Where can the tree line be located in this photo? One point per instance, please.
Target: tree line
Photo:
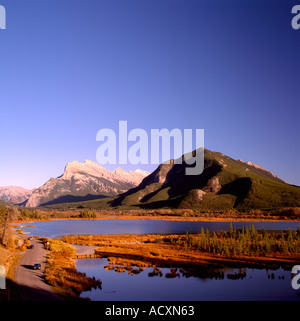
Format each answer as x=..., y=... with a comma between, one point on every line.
x=245, y=242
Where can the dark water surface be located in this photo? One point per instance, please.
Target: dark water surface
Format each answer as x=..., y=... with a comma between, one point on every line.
x=262, y=285
x=84, y=227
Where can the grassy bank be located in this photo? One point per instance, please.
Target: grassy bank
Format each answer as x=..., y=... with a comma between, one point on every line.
x=282, y=214
x=199, y=251
x=61, y=270
x=242, y=243
x=10, y=256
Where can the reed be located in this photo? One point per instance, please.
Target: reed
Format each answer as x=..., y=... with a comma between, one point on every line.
x=245, y=242
x=61, y=270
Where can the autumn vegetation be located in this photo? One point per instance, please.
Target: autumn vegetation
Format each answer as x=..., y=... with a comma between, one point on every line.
x=245, y=247
x=198, y=252
x=245, y=242
x=61, y=270
x=48, y=213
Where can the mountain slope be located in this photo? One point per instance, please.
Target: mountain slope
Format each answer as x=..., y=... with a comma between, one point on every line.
x=84, y=182
x=224, y=184
x=14, y=194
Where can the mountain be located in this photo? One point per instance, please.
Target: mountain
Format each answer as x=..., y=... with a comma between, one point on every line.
x=14, y=194
x=84, y=181
x=225, y=183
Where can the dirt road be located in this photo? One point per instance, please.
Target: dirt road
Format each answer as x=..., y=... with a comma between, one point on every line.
x=31, y=282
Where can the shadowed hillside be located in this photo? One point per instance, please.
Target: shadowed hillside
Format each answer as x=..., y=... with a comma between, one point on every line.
x=225, y=183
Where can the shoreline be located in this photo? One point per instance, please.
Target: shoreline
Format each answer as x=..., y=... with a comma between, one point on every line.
x=144, y=250
x=126, y=251
x=160, y=218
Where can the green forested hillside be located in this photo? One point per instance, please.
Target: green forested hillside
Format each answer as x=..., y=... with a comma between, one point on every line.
x=224, y=184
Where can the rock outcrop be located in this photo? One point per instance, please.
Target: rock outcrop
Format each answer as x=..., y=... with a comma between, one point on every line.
x=84, y=181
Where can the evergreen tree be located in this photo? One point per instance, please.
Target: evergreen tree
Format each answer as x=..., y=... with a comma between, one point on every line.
x=230, y=229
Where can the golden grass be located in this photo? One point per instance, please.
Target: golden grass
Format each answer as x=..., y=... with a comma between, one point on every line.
x=284, y=214
x=146, y=250
x=10, y=256
x=61, y=271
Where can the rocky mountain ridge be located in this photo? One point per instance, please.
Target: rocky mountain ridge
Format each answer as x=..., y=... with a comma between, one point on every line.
x=14, y=194
x=224, y=184
x=82, y=181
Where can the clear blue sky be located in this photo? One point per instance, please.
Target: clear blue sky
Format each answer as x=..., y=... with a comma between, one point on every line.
x=71, y=67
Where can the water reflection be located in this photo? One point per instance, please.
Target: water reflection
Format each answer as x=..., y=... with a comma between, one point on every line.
x=178, y=284
x=109, y=227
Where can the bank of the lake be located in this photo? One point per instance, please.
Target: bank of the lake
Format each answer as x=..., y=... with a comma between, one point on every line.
x=160, y=218
x=196, y=252
x=39, y=214
x=156, y=269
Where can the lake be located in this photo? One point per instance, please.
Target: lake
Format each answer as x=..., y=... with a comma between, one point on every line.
x=256, y=285
x=262, y=285
x=85, y=227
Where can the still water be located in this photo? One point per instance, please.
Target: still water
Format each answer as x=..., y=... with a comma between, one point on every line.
x=84, y=227
x=255, y=285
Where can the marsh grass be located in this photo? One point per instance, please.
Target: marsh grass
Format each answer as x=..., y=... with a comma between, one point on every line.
x=61, y=270
x=245, y=242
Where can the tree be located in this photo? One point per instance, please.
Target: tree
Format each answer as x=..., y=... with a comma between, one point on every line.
x=230, y=229
x=4, y=217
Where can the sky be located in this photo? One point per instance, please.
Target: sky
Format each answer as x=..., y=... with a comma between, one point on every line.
x=69, y=68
